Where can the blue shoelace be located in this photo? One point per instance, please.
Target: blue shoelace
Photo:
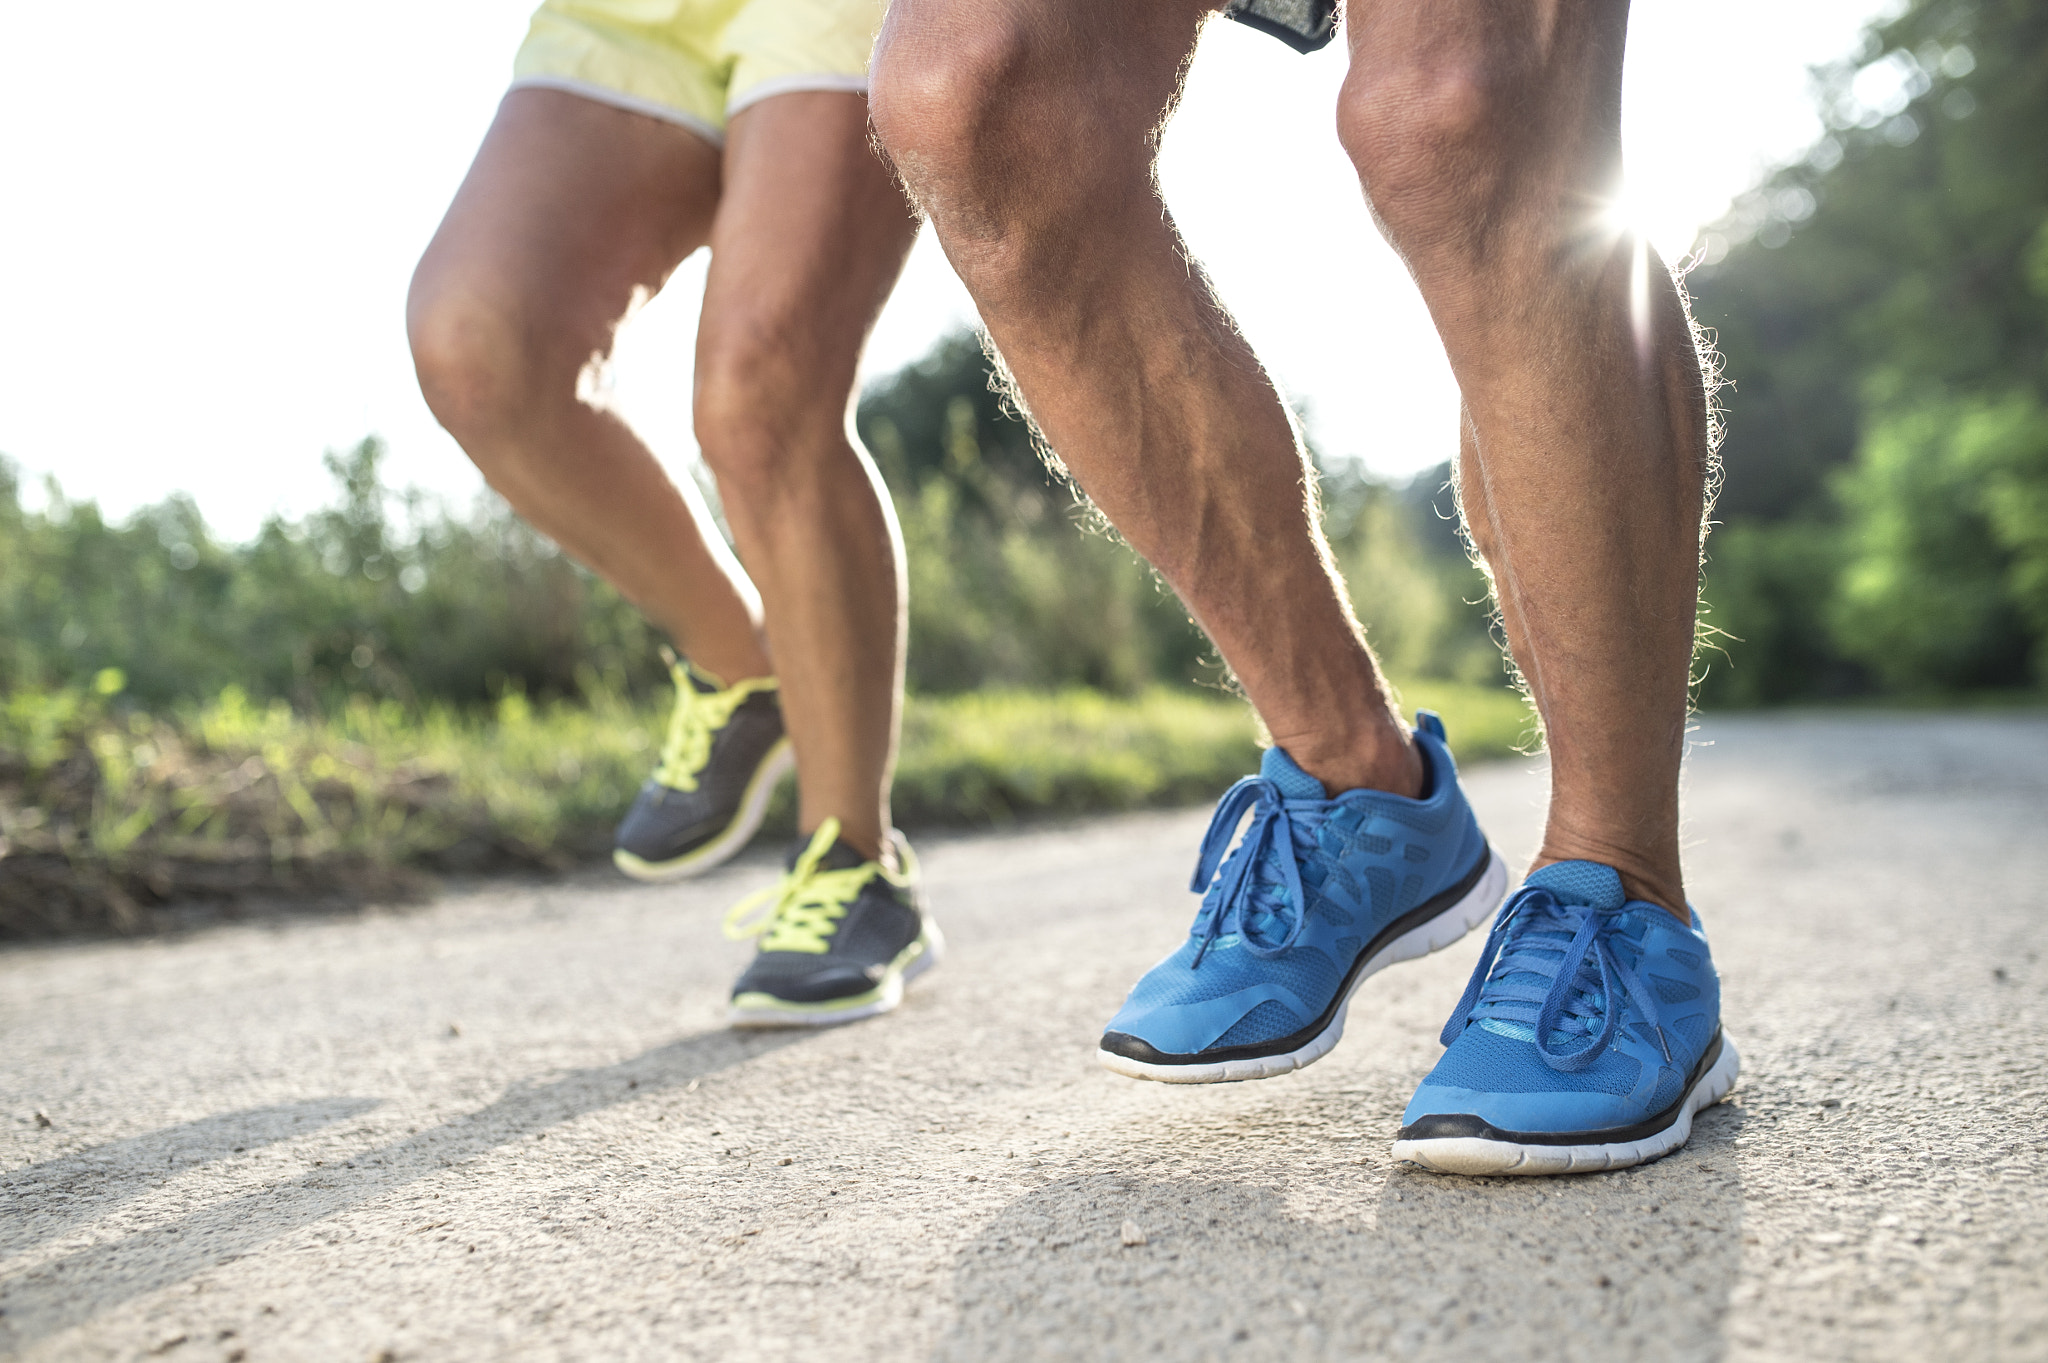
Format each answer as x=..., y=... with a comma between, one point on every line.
x=1538, y=941
x=1248, y=892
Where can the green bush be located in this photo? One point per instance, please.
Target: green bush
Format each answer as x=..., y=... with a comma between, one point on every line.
x=1424, y=603
x=1769, y=591
x=1947, y=544
x=1883, y=313
x=991, y=756
x=1011, y=584
x=387, y=687
x=109, y=812
x=397, y=596
x=383, y=595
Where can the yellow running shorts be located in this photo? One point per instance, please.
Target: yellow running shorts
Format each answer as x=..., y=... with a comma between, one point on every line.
x=697, y=62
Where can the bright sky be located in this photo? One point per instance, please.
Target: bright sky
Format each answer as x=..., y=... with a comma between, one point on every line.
x=204, y=247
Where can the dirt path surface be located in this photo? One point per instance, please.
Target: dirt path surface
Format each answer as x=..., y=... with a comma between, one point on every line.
x=511, y=1125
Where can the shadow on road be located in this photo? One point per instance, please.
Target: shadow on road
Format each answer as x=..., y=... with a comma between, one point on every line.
x=1405, y=1264
x=93, y=1182
x=73, y=1289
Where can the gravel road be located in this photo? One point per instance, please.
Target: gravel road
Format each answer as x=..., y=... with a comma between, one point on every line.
x=510, y=1124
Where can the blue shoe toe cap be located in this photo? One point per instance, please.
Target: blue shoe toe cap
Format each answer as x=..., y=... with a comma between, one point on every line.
x=1191, y=1028
x=1551, y=1113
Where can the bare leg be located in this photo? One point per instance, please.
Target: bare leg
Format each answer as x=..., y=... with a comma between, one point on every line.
x=1487, y=136
x=807, y=244
x=574, y=212
x=1027, y=128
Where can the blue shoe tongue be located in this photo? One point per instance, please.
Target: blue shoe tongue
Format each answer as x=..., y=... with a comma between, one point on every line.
x=1276, y=766
x=1541, y=951
x=1580, y=882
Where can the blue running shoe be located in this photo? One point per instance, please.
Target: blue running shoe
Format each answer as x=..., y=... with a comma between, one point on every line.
x=1318, y=894
x=1589, y=1036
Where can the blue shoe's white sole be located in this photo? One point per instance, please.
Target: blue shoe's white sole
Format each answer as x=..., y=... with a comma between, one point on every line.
x=1481, y=1156
x=1437, y=933
x=753, y=810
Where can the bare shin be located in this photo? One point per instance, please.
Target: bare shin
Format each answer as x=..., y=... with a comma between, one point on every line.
x=1028, y=130
x=1487, y=137
x=809, y=241
x=572, y=214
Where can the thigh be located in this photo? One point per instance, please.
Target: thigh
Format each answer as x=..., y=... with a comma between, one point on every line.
x=810, y=236
x=571, y=211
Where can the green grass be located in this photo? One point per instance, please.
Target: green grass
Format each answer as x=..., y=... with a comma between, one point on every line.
x=990, y=757
x=108, y=812
x=1484, y=723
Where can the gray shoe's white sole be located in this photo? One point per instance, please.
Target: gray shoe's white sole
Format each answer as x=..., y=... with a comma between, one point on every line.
x=763, y=1011
x=780, y=762
x=1434, y=935
x=1478, y=1155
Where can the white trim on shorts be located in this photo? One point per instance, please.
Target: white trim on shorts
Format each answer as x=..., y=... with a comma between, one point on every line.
x=790, y=85
x=619, y=99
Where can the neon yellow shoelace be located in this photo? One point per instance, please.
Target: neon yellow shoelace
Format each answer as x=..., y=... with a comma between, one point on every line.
x=695, y=721
x=801, y=912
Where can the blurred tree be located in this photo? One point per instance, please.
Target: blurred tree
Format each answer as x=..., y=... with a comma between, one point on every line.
x=1424, y=604
x=1888, y=282
x=1925, y=597
x=1011, y=581
x=1015, y=581
x=398, y=597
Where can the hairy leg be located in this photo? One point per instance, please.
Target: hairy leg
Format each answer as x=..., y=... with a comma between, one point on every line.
x=573, y=213
x=1028, y=130
x=808, y=242
x=1487, y=136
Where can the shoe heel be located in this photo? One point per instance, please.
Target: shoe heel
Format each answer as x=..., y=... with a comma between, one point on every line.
x=934, y=952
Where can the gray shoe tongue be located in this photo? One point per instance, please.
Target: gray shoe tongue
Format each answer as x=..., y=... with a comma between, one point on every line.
x=838, y=857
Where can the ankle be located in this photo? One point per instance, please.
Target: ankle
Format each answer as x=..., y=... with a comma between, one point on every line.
x=731, y=674
x=726, y=661
x=1640, y=877
x=1383, y=757
x=863, y=837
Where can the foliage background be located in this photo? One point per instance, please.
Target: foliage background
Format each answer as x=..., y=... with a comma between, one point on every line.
x=398, y=597
x=394, y=685
x=1884, y=318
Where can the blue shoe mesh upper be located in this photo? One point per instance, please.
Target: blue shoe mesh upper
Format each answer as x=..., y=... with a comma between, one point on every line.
x=1669, y=1086
x=1307, y=971
x=1485, y=1060
x=1674, y=991
x=1690, y=1032
x=1565, y=1027
x=1269, y=1020
x=1580, y=882
x=1291, y=903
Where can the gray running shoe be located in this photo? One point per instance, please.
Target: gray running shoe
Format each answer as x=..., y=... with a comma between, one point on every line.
x=724, y=756
x=840, y=937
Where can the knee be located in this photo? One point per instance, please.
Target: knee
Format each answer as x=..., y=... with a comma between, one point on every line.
x=475, y=368
x=761, y=412
x=1012, y=139
x=1434, y=136
x=936, y=101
